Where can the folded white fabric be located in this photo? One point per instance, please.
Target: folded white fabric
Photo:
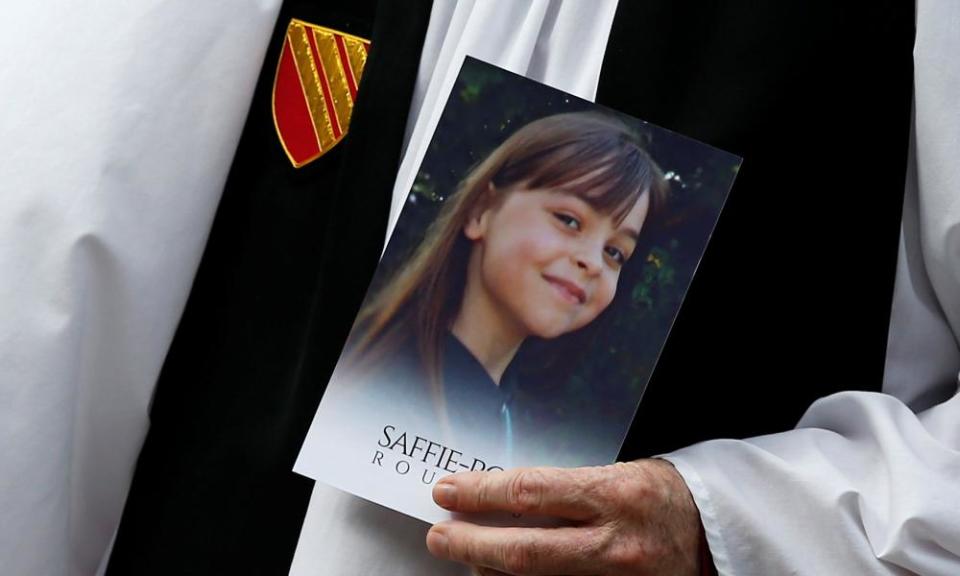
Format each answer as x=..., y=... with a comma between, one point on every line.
x=120, y=123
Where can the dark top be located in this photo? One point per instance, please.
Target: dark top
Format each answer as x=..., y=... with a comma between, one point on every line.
x=474, y=401
x=476, y=407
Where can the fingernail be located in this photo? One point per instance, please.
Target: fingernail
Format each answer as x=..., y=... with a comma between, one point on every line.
x=437, y=544
x=445, y=495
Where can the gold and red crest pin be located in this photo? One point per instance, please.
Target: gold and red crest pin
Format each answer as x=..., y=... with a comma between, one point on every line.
x=315, y=88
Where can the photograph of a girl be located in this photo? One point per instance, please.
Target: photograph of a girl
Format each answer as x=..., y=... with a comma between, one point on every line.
x=493, y=330
x=531, y=246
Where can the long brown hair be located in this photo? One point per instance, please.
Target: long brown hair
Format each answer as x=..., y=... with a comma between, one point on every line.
x=593, y=156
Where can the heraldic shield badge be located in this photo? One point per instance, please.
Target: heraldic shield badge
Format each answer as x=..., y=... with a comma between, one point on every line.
x=314, y=89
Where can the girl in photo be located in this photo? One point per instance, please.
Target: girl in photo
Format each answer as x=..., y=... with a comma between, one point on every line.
x=531, y=246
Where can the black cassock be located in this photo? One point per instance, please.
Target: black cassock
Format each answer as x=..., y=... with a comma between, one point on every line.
x=791, y=301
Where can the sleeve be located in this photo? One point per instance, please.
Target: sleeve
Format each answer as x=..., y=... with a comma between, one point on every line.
x=867, y=482
x=119, y=128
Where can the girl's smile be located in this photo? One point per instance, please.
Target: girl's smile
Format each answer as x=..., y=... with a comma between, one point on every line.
x=567, y=290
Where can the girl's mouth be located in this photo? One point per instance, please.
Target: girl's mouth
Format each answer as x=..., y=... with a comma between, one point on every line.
x=567, y=290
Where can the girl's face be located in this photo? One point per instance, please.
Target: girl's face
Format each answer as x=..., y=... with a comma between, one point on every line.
x=546, y=262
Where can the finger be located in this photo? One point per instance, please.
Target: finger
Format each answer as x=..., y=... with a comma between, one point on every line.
x=481, y=571
x=519, y=551
x=562, y=492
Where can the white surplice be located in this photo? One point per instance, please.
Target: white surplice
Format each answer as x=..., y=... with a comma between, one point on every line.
x=119, y=126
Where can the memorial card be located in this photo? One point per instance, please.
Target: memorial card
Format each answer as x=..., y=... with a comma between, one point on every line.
x=524, y=296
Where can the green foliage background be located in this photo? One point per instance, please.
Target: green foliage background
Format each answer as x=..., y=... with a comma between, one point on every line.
x=580, y=390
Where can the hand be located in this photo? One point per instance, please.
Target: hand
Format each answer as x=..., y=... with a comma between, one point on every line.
x=631, y=518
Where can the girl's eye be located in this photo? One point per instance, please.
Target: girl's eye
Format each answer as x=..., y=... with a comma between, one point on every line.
x=569, y=221
x=616, y=255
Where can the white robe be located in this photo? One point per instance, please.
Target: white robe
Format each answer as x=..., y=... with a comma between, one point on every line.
x=119, y=124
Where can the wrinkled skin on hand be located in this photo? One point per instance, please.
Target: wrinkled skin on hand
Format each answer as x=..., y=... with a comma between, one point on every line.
x=629, y=518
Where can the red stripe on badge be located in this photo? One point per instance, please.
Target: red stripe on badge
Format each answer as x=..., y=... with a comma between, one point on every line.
x=291, y=112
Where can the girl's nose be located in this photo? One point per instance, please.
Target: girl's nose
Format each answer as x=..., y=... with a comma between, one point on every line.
x=590, y=262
